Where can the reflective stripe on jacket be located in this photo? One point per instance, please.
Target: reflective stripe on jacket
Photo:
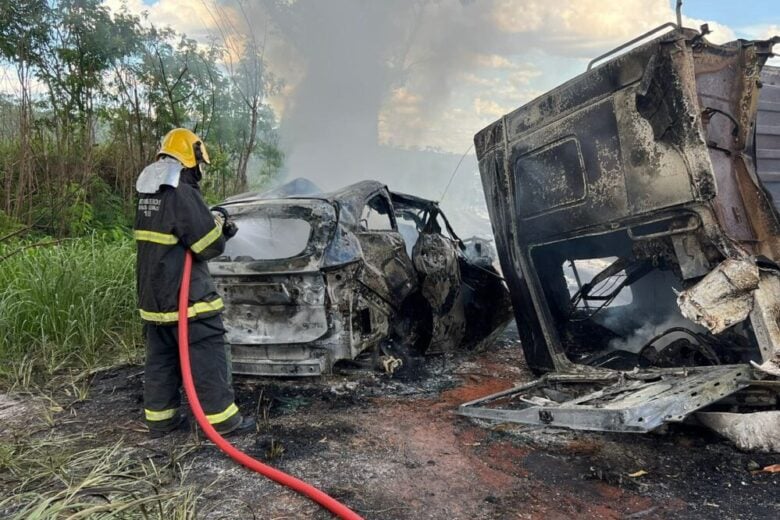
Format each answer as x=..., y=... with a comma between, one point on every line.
x=168, y=223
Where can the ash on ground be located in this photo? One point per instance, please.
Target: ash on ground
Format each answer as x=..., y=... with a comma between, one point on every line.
x=395, y=449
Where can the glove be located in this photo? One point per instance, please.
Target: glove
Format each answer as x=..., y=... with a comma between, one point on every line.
x=219, y=219
x=222, y=218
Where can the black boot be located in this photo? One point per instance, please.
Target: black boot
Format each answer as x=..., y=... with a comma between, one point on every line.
x=236, y=425
x=180, y=424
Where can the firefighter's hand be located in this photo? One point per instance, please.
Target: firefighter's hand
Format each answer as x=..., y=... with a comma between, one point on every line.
x=219, y=219
x=222, y=218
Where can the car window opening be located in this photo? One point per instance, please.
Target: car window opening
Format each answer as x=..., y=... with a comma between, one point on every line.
x=376, y=215
x=262, y=237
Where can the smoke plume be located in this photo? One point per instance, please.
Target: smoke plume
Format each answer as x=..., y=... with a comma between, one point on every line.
x=395, y=90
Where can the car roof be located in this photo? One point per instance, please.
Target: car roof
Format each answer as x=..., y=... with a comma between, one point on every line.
x=352, y=195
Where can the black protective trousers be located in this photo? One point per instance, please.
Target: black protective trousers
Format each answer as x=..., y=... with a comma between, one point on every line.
x=210, y=370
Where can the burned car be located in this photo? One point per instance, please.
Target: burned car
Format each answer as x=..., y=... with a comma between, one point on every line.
x=640, y=247
x=314, y=278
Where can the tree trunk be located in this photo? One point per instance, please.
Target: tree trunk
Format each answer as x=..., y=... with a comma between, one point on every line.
x=246, y=154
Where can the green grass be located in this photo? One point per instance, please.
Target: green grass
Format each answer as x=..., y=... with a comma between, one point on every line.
x=66, y=307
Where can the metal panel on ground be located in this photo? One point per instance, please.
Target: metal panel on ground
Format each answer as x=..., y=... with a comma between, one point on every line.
x=632, y=403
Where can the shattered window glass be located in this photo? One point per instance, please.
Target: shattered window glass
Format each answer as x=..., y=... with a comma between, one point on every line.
x=376, y=215
x=268, y=238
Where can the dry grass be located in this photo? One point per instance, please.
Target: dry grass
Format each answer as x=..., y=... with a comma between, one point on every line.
x=75, y=478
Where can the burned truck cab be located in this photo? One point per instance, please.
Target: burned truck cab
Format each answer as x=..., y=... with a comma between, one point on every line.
x=634, y=233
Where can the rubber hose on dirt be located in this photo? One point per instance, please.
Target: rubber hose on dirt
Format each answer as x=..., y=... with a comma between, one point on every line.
x=321, y=498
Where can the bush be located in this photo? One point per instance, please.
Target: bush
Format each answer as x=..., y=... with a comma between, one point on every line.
x=70, y=305
x=8, y=225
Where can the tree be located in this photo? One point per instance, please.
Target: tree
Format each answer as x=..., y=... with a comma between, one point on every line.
x=24, y=31
x=97, y=90
x=244, y=59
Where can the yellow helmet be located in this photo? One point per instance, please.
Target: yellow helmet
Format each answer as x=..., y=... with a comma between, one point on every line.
x=184, y=145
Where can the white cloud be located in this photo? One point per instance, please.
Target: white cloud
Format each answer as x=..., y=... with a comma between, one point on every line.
x=480, y=80
x=503, y=66
x=720, y=33
x=763, y=32
x=524, y=76
x=494, y=61
x=489, y=107
x=195, y=18
x=577, y=25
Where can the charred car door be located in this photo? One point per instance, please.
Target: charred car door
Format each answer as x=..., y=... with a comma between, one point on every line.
x=436, y=259
x=388, y=270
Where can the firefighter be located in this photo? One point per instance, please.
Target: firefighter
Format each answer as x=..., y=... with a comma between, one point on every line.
x=171, y=219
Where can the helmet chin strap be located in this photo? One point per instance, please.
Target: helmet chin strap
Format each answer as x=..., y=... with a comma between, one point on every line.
x=198, y=169
x=196, y=148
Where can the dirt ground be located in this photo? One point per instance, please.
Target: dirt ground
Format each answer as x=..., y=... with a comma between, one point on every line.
x=395, y=449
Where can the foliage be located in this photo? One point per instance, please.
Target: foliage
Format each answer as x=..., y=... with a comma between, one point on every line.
x=8, y=225
x=66, y=305
x=96, y=92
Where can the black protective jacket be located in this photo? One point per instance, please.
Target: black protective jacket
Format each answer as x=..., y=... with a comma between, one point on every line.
x=168, y=223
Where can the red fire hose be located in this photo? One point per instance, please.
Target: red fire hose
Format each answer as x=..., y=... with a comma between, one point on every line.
x=329, y=503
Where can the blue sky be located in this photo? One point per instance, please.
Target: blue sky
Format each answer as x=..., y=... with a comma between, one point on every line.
x=735, y=13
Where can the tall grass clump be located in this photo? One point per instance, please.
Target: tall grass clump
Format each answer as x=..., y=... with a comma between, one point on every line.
x=67, y=305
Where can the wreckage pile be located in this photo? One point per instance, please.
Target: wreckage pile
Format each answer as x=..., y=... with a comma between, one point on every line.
x=640, y=246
